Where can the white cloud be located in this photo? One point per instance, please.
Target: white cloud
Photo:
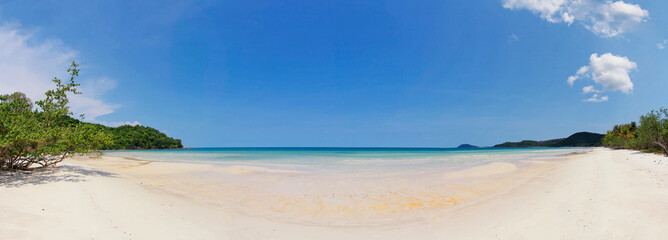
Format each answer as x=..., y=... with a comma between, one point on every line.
x=589, y=89
x=583, y=70
x=596, y=98
x=662, y=45
x=604, y=18
x=609, y=71
x=612, y=72
x=568, y=18
x=547, y=9
x=28, y=65
x=513, y=38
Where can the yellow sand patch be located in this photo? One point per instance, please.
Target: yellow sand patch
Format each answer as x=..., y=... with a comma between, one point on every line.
x=243, y=169
x=487, y=170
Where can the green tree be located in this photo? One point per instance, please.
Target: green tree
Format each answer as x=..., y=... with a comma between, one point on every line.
x=21, y=100
x=622, y=136
x=40, y=138
x=653, y=129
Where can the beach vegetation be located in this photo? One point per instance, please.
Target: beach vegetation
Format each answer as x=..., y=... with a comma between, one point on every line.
x=622, y=136
x=36, y=138
x=127, y=137
x=44, y=133
x=650, y=135
x=653, y=130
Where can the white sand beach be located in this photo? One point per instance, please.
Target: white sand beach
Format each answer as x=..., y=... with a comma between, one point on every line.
x=603, y=194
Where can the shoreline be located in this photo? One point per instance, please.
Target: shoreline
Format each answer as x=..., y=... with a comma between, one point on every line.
x=350, y=200
x=588, y=195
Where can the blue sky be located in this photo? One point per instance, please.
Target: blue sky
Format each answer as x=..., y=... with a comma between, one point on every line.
x=370, y=73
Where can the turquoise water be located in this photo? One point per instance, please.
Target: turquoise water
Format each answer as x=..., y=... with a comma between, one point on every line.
x=347, y=159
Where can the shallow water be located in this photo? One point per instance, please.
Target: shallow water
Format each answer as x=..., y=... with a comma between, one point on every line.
x=346, y=159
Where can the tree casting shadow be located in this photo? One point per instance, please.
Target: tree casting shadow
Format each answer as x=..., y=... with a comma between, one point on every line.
x=48, y=175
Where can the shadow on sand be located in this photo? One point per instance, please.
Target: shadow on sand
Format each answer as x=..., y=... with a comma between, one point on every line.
x=48, y=175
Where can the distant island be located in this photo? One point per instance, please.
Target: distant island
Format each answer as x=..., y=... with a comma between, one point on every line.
x=580, y=139
x=465, y=146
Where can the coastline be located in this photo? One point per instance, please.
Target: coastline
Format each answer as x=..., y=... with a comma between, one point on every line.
x=602, y=194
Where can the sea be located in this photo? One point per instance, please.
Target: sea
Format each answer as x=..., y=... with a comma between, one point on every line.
x=349, y=159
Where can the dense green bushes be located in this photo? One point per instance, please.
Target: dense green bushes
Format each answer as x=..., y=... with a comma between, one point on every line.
x=141, y=137
x=651, y=135
x=132, y=137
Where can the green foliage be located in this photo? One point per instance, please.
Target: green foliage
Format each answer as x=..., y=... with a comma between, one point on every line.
x=23, y=103
x=653, y=130
x=130, y=137
x=35, y=137
x=651, y=135
x=141, y=137
x=622, y=136
x=47, y=135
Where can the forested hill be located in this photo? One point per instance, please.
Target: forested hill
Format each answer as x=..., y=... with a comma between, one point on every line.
x=581, y=139
x=131, y=137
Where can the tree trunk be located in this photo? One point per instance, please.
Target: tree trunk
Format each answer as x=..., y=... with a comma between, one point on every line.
x=665, y=149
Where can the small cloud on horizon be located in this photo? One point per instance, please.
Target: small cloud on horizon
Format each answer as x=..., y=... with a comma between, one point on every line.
x=118, y=124
x=596, y=98
x=603, y=18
